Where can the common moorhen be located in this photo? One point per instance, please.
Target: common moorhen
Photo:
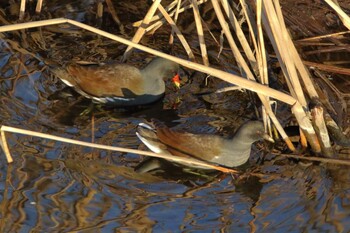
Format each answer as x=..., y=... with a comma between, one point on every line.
x=211, y=148
x=119, y=84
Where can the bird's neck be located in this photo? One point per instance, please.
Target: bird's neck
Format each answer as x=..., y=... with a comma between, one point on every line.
x=152, y=83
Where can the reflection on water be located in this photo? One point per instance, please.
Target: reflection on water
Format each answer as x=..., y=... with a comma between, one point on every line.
x=57, y=187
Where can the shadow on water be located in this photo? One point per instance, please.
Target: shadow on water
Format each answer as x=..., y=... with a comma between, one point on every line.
x=53, y=186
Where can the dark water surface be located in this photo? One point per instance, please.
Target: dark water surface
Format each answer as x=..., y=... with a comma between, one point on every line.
x=57, y=187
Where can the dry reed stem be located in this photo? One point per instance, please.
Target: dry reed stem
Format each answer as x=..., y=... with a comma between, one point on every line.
x=342, y=15
x=158, y=17
x=304, y=74
x=235, y=51
x=141, y=30
x=151, y=29
x=161, y=20
x=38, y=7
x=114, y=14
x=178, y=32
x=99, y=13
x=260, y=50
x=228, y=77
x=5, y=147
x=225, y=89
x=303, y=140
x=277, y=124
x=240, y=34
x=176, y=16
x=262, y=69
x=188, y=161
x=251, y=23
x=154, y=27
x=274, y=17
x=324, y=36
x=22, y=9
x=328, y=68
x=197, y=18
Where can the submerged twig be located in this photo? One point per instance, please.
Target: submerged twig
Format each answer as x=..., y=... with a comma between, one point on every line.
x=317, y=159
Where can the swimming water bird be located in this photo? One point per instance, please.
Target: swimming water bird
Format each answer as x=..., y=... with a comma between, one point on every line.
x=211, y=148
x=120, y=84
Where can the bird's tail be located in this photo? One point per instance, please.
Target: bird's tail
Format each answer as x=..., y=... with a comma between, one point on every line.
x=147, y=134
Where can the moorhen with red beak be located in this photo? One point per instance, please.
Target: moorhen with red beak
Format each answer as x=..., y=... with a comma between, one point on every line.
x=211, y=148
x=120, y=84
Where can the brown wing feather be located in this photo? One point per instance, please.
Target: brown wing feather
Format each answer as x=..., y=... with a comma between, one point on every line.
x=107, y=80
x=187, y=144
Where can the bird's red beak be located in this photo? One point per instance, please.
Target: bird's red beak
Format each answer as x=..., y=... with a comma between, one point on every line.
x=176, y=81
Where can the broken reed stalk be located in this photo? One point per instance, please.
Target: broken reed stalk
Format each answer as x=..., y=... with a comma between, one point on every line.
x=188, y=161
x=99, y=12
x=198, y=20
x=38, y=7
x=141, y=30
